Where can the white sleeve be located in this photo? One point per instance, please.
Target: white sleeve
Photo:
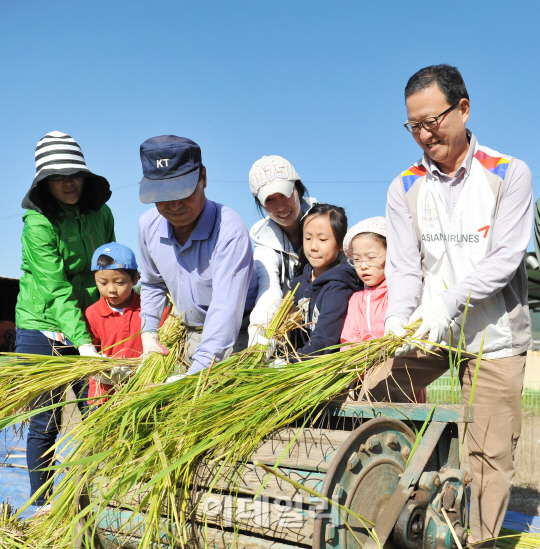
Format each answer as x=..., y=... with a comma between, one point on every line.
x=403, y=262
x=269, y=293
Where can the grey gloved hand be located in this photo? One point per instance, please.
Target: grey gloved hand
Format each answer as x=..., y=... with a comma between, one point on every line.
x=278, y=363
x=87, y=349
x=114, y=376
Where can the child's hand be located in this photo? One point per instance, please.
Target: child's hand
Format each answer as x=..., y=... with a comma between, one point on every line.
x=87, y=349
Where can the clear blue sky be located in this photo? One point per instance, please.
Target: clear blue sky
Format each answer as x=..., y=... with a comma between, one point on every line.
x=320, y=83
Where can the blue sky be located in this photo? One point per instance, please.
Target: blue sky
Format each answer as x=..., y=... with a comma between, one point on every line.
x=320, y=83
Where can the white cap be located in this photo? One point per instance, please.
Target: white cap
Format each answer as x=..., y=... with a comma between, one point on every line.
x=375, y=225
x=270, y=175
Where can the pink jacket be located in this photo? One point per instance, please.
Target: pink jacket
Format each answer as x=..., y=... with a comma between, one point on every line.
x=365, y=319
x=365, y=315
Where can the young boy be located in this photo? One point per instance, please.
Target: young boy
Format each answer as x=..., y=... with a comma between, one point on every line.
x=115, y=317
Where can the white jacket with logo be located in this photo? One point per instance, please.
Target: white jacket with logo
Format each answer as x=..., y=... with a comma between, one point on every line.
x=472, y=249
x=275, y=260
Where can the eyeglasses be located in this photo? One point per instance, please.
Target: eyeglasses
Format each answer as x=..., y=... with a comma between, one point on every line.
x=429, y=123
x=373, y=261
x=59, y=178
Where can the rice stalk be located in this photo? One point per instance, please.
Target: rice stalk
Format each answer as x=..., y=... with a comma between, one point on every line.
x=12, y=535
x=219, y=416
x=24, y=377
x=144, y=445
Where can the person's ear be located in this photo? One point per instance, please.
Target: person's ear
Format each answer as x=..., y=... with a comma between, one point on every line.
x=203, y=176
x=136, y=278
x=465, y=109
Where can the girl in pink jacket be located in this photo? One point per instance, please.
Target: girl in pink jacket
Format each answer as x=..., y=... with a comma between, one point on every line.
x=365, y=248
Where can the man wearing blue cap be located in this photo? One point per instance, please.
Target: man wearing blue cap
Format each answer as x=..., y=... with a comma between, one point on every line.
x=196, y=250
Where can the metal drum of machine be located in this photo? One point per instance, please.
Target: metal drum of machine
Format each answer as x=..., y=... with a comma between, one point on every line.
x=361, y=456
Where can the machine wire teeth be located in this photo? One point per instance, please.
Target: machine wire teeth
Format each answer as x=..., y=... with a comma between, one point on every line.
x=358, y=455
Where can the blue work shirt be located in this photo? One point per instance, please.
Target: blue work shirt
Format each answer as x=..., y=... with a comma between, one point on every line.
x=211, y=278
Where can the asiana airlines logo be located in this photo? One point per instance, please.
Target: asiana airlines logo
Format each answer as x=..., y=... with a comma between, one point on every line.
x=455, y=238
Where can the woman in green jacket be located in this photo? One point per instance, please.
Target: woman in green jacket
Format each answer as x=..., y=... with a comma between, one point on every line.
x=65, y=221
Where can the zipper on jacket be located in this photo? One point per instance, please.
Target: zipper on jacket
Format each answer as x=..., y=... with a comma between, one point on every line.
x=368, y=315
x=92, y=237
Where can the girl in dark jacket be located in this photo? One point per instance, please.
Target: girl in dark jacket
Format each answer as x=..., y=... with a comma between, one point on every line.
x=65, y=221
x=326, y=282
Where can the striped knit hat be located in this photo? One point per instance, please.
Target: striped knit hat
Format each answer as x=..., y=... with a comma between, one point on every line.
x=57, y=153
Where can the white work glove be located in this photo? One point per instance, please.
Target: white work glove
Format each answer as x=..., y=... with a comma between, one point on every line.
x=150, y=343
x=114, y=376
x=256, y=338
x=87, y=349
x=435, y=322
x=278, y=363
x=175, y=377
x=253, y=332
x=395, y=325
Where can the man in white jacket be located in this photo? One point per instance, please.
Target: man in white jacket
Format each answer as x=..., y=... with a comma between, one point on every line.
x=459, y=222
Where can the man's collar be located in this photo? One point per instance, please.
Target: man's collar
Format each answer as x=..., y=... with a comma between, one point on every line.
x=202, y=230
x=432, y=167
x=206, y=221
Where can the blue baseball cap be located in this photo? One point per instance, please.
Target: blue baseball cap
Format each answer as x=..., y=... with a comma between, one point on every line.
x=123, y=257
x=171, y=167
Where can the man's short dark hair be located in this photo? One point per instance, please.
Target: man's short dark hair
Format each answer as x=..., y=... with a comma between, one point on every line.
x=448, y=79
x=106, y=260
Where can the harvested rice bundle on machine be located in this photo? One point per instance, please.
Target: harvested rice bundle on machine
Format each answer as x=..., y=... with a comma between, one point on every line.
x=144, y=448
x=23, y=377
x=144, y=445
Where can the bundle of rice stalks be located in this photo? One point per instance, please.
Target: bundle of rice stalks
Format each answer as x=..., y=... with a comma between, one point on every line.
x=23, y=377
x=144, y=445
x=11, y=534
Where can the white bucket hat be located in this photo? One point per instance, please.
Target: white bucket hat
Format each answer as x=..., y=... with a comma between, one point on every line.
x=375, y=225
x=272, y=174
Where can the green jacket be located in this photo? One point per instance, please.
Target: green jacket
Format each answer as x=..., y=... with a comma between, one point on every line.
x=57, y=284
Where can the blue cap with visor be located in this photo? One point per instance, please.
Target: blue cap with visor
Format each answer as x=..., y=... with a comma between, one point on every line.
x=122, y=256
x=171, y=168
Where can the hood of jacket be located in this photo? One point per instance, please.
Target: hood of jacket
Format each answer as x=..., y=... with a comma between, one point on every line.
x=39, y=199
x=267, y=232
